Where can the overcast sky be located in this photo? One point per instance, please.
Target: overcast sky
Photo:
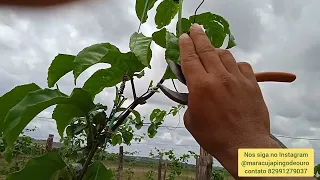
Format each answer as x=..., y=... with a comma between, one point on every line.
x=272, y=35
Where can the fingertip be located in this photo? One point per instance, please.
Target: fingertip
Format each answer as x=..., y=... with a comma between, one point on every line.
x=183, y=37
x=196, y=27
x=185, y=41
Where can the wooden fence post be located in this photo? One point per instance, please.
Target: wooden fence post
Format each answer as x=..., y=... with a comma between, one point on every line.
x=165, y=171
x=197, y=166
x=204, y=165
x=159, y=168
x=49, y=142
x=120, y=168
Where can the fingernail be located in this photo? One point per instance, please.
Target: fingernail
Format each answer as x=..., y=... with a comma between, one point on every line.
x=196, y=26
x=184, y=36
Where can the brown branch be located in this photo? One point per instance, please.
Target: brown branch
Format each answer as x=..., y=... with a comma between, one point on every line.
x=133, y=89
x=87, y=163
x=134, y=104
x=138, y=101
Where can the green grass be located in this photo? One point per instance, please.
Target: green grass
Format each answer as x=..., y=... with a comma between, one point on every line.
x=140, y=169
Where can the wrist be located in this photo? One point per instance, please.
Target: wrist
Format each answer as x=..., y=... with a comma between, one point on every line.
x=229, y=157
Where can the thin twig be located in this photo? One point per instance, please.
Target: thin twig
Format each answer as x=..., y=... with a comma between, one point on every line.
x=133, y=89
x=121, y=118
x=195, y=13
x=93, y=150
x=179, y=33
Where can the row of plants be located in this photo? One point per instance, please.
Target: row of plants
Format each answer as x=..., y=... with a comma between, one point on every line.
x=24, y=149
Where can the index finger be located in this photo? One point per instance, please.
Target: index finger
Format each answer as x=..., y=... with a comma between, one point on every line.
x=190, y=62
x=207, y=52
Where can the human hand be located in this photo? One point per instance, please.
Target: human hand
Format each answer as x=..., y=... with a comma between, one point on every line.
x=226, y=109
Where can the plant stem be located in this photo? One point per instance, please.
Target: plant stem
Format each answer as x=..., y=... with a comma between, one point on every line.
x=120, y=120
x=133, y=89
x=90, y=156
x=179, y=18
x=133, y=105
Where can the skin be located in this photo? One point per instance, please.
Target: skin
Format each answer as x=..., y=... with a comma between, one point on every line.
x=226, y=109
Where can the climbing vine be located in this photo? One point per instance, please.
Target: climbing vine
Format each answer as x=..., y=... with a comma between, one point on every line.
x=85, y=127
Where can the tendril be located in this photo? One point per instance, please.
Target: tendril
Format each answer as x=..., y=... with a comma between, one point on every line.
x=195, y=13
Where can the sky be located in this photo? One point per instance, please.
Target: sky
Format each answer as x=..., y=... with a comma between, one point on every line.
x=272, y=35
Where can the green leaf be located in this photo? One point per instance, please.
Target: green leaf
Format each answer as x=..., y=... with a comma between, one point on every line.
x=173, y=50
x=116, y=139
x=186, y=24
x=215, y=34
x=154, y=114
x=116, y=100
x=160, y=117
x=142, y=9
x=70, y=130
x=75, y=129
x=231, y=42
x=40, y=168
x=137, y=117
x=169, y=74
x=140, y=46
x=103, y=78
x=91, y=55
x=137, y=121
x=100, y=117
x=20, y=115
x=97, y=171
x=217, y=28
x=34, y=103
x=316, y=169
x=79, y=128
x=152, y=130
x=166, y=11
x=159, y=37
x=60, y=66
x=64, y=113
x=62, y=174
x=156, y=119
x=121, y=63
x=138, y=125
x=13, y=97
x=127, y=137
x=140, y=75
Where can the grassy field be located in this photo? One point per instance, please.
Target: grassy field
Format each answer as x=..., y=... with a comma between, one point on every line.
x=140, y=171
x=132, y=171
